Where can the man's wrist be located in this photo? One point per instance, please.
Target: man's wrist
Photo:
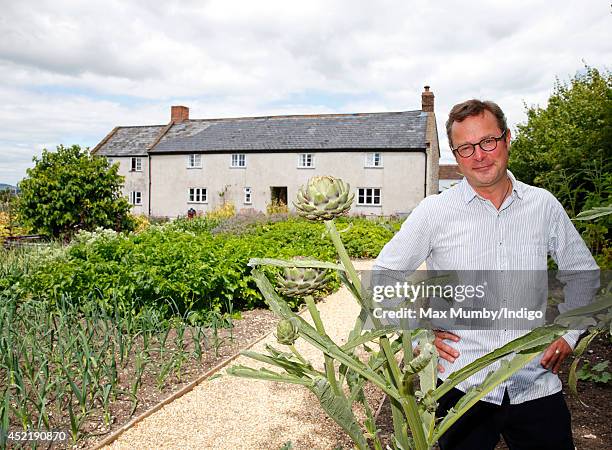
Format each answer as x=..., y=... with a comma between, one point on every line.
x=571, y=337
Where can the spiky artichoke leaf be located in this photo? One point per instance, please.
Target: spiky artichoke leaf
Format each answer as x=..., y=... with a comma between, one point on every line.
x=428, y=376
x=338, y=408
x=265, y=374
x=366, y=337
x=493, y=379
x=604, y=302
x=535, y=340
x=578, y=351
x=289, y=365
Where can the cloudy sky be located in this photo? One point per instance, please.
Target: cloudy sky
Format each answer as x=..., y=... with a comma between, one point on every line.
x=72, y=70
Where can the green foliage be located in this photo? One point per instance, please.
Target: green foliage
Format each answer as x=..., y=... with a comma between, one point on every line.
x=566, y=147
x=70, y=190
x=365, y=237
x=178, y=266
x=597, y=373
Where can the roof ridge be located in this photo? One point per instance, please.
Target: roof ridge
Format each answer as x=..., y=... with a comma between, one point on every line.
x=291, y=116
x=140, y=126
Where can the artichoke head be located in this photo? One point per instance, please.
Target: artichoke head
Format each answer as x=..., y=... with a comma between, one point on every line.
x=300, y=281
x=286, y=332
x=323, y=198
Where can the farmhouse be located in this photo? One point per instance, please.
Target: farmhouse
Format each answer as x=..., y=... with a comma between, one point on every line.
x=390, y=159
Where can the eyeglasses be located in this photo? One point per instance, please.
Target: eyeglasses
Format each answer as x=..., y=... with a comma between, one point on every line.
x=487, y=144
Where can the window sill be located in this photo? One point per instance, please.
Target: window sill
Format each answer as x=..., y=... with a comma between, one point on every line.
x=237, y=167
x=373, y=167
x=370, y=205
x=306, y=167
x=197, y=203
x=196, y=167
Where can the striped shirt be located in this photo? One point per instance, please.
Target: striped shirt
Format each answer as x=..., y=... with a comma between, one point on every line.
x=460, y=230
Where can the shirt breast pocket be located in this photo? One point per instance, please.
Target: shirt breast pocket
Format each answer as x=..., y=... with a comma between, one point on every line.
x=529, y=257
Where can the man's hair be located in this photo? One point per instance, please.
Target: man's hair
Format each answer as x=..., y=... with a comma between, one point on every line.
x=474, y=107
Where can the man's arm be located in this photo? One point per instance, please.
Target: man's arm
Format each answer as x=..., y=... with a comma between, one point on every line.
x=579, y=273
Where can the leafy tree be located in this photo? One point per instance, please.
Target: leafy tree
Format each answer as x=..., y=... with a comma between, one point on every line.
x=566, y=148
x=70, y=190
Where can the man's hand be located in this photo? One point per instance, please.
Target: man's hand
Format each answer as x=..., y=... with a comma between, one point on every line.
x=445, y=351
x=555, y=354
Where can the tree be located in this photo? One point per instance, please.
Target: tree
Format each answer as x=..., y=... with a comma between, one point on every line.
x=566, y=147
x=70, y=190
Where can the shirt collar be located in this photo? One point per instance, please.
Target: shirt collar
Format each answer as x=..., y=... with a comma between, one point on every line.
x=469, y=193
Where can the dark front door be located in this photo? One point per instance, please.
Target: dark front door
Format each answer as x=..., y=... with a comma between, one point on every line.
x=279, y=194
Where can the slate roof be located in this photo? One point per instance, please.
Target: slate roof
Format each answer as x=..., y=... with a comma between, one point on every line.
x=396, y=130
x=129, y=141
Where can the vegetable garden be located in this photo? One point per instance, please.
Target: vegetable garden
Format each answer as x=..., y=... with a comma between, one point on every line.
x=99, y=330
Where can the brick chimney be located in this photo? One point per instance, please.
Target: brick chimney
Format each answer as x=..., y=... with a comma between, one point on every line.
x=427, y=100
x=179, y=114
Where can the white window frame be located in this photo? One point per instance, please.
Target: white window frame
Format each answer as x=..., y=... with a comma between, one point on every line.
x=370, y=160
x=238, y=160
x=248, y=196
x=197, y=195
x=366, y=196
x=110, y=161
x=194, y=161
x=135, y=198
x=306, y=161
x=135, y=164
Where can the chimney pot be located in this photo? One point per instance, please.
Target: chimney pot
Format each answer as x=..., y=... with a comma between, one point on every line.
x=179, y=114
x=427, y=100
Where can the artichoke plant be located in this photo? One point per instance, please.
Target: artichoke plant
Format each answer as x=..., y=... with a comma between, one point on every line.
x=300, y=281
x=341, y=385
x=324, y=198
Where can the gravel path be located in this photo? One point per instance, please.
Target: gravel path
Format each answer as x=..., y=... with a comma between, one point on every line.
x=237, y=413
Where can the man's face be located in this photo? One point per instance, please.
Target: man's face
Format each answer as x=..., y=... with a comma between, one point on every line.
x=482, y=169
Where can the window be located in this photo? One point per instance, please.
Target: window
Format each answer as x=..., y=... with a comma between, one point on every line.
x=136, y=198
x=305, y=160
x=136, y=165
x=374, y=160
x=110, y=161
x=238, y=160
x=194, y=161
x=248, y=198
x=368, y=196
x=197, y=195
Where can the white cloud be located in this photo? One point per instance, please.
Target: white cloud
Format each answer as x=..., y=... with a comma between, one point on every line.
x=72, y=70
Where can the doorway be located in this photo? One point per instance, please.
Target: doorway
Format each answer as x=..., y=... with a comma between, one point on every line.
x=278, y=195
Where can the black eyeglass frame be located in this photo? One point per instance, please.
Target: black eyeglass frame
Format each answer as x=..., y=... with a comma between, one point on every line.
x=496, y=139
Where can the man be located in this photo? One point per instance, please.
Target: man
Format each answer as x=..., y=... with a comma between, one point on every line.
x=491, y=221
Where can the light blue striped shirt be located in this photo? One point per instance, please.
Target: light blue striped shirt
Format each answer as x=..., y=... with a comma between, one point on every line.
x=460, y=230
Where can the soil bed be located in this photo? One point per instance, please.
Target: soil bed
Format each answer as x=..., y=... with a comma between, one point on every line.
x=253, y=325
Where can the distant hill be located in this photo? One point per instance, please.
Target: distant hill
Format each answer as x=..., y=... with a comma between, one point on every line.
x=4, y=186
